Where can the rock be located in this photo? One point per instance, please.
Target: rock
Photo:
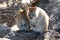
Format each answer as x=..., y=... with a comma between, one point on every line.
x=57, y=27
x=5, y=39
x=54, y=1
x=24, y=35
x=3, y=30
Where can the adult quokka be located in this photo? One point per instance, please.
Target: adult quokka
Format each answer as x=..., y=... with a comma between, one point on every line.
x=22, y=20
x=39, y=20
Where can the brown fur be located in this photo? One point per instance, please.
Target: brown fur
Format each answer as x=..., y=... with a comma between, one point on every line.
x=30, y=9
x=20, y=17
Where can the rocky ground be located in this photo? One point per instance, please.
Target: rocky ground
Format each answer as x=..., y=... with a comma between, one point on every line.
x=8, y=12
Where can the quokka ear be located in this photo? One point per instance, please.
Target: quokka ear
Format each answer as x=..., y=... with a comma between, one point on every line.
x=18, y=1
x=34, y=8
x=31, y=8
x=28, y=8
x=20, y=11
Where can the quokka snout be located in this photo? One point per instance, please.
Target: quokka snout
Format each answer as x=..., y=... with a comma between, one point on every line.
x=39, y=20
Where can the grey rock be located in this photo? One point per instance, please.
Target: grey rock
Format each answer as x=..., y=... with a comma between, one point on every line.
x=24, y=35
x=3, y=30
x=54, y=1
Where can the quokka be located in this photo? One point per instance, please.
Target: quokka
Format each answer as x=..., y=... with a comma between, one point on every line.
x=39, y=20
x=22, y=21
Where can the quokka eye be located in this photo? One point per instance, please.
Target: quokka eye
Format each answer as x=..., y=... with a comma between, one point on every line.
x=23, y=25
